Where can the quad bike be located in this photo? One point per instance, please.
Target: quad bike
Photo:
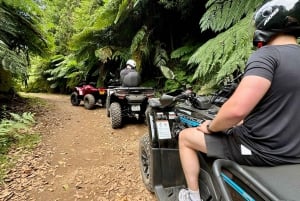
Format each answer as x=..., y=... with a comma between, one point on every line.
x=219, y=180
x=89, y=94
x=127, y=102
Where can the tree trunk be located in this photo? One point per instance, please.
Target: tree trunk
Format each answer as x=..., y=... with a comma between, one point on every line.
x=6, y=85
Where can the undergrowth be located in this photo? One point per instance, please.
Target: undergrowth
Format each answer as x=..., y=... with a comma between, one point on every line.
x=15, y=133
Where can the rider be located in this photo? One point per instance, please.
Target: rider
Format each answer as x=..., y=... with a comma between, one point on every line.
x=259, y=124
x=129, y=77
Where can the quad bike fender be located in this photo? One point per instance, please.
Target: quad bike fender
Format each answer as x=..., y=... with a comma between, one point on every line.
x=79, y=90
x=168, y=176
x=167, y=166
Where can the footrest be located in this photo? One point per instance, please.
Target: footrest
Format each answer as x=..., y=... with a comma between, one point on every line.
x=167, y=194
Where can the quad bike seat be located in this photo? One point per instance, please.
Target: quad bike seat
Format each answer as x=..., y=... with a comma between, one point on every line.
x=132, y=79
x=283, y=181
x=271, y=183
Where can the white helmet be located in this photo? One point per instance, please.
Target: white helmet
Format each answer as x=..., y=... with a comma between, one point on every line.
x=131, y=63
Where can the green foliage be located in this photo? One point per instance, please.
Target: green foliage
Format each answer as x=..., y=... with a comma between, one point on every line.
x=161, y=56
x=12, y=61
x=15, y=132
x=221, y=14
x=123, y=10
x=14, y=129
x=21, y=34
x=184, y=53
x=64, y=72
x=95, y=37
x=140, y=48
x=224, y=54
x=20, y=29
x=180, y=5
x=182, y=78
x=104, y=53
x=88, y=42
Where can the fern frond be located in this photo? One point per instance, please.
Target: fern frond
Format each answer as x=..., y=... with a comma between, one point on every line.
x=183, y=52
x=104, y=54
x=27, y=118
x=123, y=10
x=161, y=56
x=138, y=39
x=221, y=14
x=140, y=47
x=223, y=54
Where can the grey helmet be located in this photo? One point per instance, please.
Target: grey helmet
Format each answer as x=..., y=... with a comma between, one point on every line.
x=274, y=17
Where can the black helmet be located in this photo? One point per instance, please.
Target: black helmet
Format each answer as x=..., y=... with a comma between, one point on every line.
x=276, y=16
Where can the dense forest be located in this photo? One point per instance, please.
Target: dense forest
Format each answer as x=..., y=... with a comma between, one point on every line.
x=52, y=45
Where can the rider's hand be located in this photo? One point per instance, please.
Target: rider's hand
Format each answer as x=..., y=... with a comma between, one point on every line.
x=203, y=127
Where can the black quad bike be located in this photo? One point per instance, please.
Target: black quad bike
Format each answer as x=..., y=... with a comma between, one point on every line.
x=219, y=180
x=89, y=94
x=127, y=102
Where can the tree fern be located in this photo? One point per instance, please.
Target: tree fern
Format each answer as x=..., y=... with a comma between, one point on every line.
x=20, y=35
x=221, y=14
x=12, y=61
x=20, y=29
x=184, y=53
x=140, y=48
x=224, y=54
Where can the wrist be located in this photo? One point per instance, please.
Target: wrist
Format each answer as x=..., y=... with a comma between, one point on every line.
x=209, y=130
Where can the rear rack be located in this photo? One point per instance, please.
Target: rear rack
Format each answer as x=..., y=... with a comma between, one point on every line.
x=147, y=91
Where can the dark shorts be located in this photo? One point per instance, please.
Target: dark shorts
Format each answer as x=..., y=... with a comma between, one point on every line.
x=229, y=146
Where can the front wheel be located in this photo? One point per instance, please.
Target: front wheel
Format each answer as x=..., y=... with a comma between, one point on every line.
x=146, y=162
x=115, y=115
x=75, y=101
x=89, y=101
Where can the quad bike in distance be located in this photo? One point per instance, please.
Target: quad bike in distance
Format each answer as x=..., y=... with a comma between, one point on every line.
x=127, y=102
x=219, y=179
x=89, y=94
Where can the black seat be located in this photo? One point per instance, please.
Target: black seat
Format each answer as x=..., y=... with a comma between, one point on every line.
x=132, y=79
x=280, y=183
x=283, y=181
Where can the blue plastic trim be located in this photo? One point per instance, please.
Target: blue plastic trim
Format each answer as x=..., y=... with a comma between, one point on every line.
x=189, y=122
x=237, y=188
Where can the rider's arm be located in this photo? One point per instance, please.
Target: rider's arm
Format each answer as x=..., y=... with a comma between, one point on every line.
x=247, y=95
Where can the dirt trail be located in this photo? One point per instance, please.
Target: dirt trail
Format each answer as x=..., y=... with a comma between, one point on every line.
x=80, y=158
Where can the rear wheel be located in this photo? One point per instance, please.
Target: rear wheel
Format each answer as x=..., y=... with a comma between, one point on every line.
x=89, y=101
x=115, y=115
x=146, y=162
x=75, y=101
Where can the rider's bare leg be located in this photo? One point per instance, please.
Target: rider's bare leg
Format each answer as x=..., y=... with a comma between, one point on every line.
x=191, y=140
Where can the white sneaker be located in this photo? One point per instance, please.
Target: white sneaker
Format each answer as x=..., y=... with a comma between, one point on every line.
x=184, y=195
